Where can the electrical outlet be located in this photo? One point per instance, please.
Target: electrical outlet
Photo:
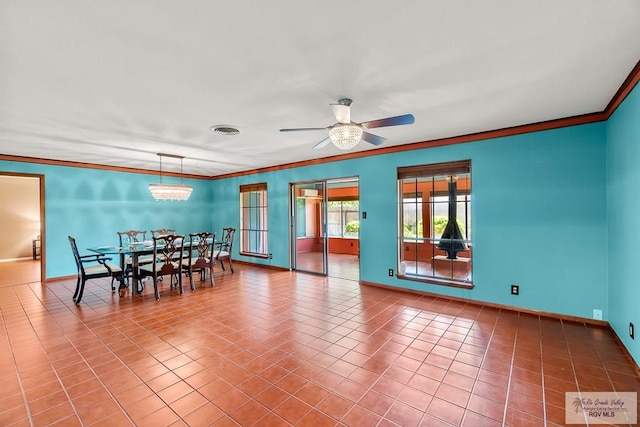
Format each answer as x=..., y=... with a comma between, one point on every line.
x=364, y=215
x=391, y=272
x=270, y=256
x=515, y=289
x=597, y=314
x=631, y=334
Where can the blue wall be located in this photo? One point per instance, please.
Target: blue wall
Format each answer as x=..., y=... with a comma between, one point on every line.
x=92, y=205
x=539, y=216
x=623, y=185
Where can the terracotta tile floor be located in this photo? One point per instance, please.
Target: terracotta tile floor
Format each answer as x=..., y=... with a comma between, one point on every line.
x=272, y=348
x=338, y=265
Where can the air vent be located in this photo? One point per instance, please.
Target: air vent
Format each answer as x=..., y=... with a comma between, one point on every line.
x=225, y=129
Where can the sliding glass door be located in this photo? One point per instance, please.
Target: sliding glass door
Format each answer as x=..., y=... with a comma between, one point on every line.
x=309, y=227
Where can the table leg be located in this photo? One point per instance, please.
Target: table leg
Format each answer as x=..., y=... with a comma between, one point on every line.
x=134, y=273
x=123, y=283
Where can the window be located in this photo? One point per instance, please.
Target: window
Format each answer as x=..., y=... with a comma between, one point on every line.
x=434, y=213
x=253, y=220
x=441, y=217
x=412, y=214
x=343, y=218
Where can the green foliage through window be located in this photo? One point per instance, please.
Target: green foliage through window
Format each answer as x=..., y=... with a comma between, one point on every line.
x=343, y=218
x=352, y=227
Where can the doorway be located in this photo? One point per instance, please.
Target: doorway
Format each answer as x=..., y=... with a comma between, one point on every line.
x=309, y=227
x=22, y=225
x=343, y=228
x=325, y=227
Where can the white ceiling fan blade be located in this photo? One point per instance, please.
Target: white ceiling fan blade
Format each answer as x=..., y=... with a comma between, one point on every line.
x=302, y=129
x=322, y=143
x=342, y=113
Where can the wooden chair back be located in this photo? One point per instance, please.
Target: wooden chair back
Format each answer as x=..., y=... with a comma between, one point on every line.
x=225, y=246
x=163, y=232
x=131, y=236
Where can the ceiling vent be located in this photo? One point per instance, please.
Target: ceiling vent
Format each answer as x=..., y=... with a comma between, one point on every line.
x=225, y=129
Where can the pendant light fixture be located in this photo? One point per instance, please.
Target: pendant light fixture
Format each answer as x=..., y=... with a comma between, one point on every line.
x=162, y=191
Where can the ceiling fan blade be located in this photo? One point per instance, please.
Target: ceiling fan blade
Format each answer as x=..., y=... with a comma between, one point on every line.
x=342, y=113
x=322, y=143
x=373, y=139
x=405, y=119
x=302, y=129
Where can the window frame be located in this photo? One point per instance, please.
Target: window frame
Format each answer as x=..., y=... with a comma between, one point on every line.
x=257, y=211
x=419, y=258
x=343, y=213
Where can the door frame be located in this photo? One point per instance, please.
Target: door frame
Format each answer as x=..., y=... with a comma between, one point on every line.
x=325, y=185
x=293, y=217
x=332, y=184
x=43, y=223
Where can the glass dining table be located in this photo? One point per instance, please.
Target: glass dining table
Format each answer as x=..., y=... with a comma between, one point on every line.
x=136, y=250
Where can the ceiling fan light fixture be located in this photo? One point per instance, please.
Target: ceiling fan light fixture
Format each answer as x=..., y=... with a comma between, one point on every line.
x=345, y=136
x=162, y=191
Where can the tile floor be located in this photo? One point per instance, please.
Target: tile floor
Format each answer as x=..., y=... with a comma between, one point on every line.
x=278, y=348
x=338, y=265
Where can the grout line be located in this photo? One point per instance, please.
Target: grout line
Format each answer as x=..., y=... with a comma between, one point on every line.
x=544, y=394
x=573, y=367
x=475, y=382
x=513, y=355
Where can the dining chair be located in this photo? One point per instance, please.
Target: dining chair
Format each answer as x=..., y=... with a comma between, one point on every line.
x=168, y=253
x=202, y=257
x=126, y=238
x=162, y=232
x=100, y=268
x=225, y=246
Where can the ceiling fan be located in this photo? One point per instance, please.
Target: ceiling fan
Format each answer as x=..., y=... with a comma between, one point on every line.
x=346, y=134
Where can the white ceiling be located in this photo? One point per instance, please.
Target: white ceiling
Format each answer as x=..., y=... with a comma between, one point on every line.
x=116, y=81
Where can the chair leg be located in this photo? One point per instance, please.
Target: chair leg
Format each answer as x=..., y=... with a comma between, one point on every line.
x=179, y=282
x=213, y=282
x=193, y=287
x=75, y=294
x=123, y=286
x=230, y=264
x=155, y=287
x=80, y=292
x=112, y=279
